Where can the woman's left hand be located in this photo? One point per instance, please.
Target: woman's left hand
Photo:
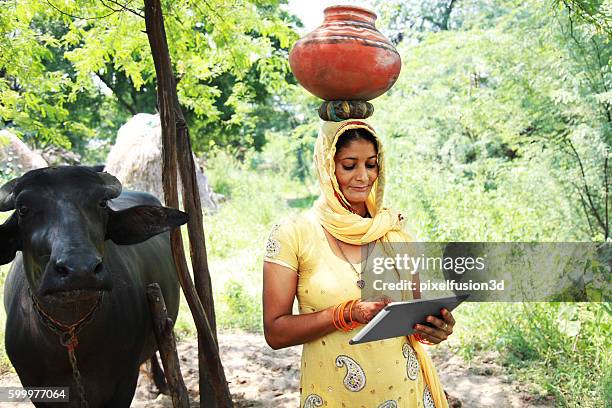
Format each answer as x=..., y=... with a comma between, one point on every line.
x=443, y=327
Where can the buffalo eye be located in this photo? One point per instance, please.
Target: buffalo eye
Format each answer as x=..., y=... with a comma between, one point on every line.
x=104, y=203
x=22, y=210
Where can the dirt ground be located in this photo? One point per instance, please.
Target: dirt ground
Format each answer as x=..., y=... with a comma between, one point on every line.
x=261, y=377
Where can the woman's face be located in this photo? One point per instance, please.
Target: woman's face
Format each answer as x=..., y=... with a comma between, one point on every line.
x=356, y=170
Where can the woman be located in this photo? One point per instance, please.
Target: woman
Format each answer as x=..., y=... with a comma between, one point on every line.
x=313, y=256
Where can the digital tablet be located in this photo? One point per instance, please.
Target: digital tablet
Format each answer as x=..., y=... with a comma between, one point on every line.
x=398, y=318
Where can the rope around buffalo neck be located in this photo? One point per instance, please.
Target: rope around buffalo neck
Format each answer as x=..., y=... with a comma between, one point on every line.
x=68, y=337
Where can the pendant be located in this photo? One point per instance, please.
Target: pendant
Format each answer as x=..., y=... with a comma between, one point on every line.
x=360, y=283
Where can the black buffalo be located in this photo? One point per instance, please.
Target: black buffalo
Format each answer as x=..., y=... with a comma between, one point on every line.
x=83, y=249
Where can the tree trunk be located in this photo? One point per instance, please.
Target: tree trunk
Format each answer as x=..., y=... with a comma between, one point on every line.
x=214, y=391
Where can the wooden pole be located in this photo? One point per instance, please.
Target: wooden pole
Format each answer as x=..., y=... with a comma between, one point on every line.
x=162, y=327
x=214, y=390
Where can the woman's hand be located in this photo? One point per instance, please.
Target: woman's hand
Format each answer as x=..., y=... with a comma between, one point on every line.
x=443, y=327
x=364, y=311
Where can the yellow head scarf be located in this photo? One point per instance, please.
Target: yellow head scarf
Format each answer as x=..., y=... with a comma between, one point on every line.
x=332, y=211
x=332, y=208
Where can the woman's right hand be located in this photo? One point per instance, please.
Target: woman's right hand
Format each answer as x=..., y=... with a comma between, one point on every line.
x=364, y=311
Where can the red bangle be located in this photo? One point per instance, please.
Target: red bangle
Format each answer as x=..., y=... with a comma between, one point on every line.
x=341, y=321
x=421, y=340
x=338, y=316
x=351, y=310
x=352, y=323
x=341, y=315
x=336, y=325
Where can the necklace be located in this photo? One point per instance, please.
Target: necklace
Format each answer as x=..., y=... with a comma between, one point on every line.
x=360, y=282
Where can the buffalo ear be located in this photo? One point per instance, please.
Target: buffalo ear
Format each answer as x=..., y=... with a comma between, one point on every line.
x=112, y=185
x=7, y=197
x=137, y=224
x=9, y=240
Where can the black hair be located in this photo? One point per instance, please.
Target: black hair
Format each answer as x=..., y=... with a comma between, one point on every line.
x=351, y=135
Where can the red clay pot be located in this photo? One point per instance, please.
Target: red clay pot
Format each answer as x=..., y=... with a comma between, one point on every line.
x=346, y=58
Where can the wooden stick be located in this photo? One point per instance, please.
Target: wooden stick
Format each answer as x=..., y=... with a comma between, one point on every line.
x=214, y=390
x=158, y=376
x=162, y=327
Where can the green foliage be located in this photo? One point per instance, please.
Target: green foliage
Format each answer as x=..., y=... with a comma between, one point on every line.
x=562, y=349
x=245, y=218
x=510, y=120
x=72, y=73
x=487, y=200
x=22, y=66
x=409, y=20
x=595, y=13
x=240, y=309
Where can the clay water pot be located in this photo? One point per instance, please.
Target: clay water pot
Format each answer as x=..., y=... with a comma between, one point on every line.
x=346, y=58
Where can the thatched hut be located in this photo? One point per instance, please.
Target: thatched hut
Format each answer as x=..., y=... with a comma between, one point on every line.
x=136, y=159
x=16, y=157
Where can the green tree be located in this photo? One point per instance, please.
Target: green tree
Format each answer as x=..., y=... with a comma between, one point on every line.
x=71, y=72
x=410, y=19
x=527, y=88
x=596, y=13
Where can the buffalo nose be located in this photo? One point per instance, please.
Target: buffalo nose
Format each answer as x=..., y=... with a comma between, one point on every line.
x=78, y=266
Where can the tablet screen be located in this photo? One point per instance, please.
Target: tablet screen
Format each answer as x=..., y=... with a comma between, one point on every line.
x=398, y=318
